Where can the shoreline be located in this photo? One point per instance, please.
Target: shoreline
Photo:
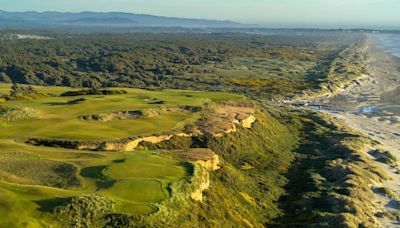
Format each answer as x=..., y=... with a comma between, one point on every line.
x=378, y=98
x=380, y=89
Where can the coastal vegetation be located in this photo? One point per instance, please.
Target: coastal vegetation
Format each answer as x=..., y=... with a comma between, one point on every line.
x=265, y=66
x=149, y=130
x=51, y=182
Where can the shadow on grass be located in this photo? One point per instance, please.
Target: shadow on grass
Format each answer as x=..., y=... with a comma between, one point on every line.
x=157, y=102
x=189, y=169
x=49, y=205
x=312, y=182
x=119, y=161
x=71, y=102
x=96, y=172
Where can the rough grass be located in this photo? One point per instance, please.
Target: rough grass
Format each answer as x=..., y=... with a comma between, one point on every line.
x=388, y=193
x=266, y=148
x=37, y=180
x=347, y=66
x=84, y=211
x=24, y=205
x=22, y=169
x=385, y=157
x=60, y=115
x=21, y=206
x=330, y=183
x=15, y=114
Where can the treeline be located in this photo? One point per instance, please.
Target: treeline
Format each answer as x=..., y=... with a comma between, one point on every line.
x=93, y=91
x=146, y=60
x=18, y=92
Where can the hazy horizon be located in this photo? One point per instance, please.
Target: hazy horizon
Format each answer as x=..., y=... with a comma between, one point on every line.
x=271, y=13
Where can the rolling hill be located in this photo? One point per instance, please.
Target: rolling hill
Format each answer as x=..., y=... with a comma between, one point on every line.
x=117, y=19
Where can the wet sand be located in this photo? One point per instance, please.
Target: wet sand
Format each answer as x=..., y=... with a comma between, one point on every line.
x=372, y=106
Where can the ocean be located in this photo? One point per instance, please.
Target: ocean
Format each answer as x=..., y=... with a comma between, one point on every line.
x=390, y=42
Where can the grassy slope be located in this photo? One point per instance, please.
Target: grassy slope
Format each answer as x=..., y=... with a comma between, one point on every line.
x=309, y=172
x=348, y=65
x=330, y=181
x=238, y=196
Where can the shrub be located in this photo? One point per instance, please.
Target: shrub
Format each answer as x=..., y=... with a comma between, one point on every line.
x=85, y=211
x=93, y=92
x=19, y=113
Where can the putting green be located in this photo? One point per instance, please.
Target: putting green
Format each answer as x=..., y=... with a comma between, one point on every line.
x=137, y=190
x=146, y=166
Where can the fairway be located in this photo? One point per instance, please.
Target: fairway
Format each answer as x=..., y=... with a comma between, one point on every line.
x=60, y=117
x=135, y=181
x=38, y=179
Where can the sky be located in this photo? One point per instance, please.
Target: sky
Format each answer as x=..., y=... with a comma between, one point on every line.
x=273, y=13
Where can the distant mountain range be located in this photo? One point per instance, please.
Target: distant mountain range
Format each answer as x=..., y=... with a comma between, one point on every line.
x=115, y=19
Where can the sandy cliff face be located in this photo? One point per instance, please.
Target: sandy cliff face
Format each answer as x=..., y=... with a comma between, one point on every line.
x=197, y=195
x=220, y=121
x=248, y=122
x=204, y=159
x=133, y=144
x=210, y=165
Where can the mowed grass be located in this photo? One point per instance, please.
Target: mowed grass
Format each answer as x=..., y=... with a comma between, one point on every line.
x=138, y=180
x=31, y=184
x=137, y=190
x=143, y=178
x=59, y=118
x=146, y=166
x=20, y=206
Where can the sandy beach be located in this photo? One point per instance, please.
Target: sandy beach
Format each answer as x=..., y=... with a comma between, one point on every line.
x=372, y=103
x=372, y=106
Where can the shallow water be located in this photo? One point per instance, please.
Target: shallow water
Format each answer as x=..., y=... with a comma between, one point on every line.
x=390, y=42
x=372, y=109
x=361, y=110
x=316, y=107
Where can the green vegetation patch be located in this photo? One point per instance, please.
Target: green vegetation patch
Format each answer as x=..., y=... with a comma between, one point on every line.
x=93, y=91
x=385, y=157
x=23, y=168
x=84, y=211
x=142, y=179
x=330, y=182
x=266, y=147
x=20, y=113
x=137, y=190
x=146, y=166
x=28, y=206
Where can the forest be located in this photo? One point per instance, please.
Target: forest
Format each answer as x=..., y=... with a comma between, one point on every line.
x=218, y=62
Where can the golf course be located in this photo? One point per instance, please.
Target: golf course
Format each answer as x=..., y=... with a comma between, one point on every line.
x=35, y=180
